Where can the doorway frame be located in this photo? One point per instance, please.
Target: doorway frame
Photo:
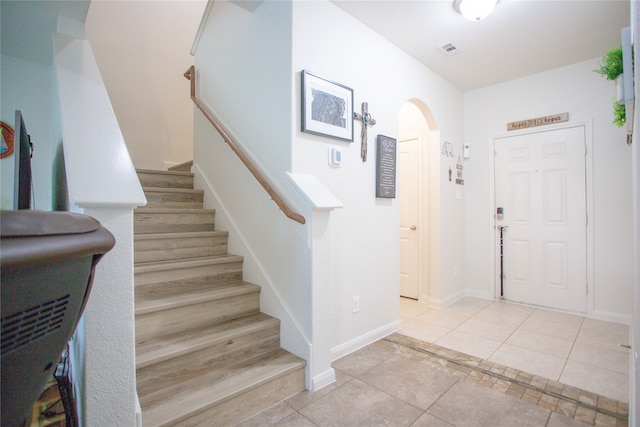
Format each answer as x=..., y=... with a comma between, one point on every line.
x=492, y=229
x=429, y=204
x=424, y=282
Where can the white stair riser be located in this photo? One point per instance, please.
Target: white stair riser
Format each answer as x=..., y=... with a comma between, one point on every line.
x=180, y=319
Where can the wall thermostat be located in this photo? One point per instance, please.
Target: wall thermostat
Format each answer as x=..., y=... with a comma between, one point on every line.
x=466, y=150
x=335, y=157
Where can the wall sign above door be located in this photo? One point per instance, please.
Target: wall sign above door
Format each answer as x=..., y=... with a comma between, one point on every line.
x=540, y=121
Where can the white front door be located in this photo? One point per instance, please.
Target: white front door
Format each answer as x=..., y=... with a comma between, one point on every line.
x=540, y=184
x=408, y=178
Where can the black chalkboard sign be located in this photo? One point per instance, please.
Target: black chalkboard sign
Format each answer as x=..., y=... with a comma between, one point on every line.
x=386, y=167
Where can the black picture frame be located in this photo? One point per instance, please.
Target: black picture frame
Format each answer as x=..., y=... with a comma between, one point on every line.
x=327, y=107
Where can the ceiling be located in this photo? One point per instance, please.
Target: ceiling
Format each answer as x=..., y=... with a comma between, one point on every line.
x=520, y=37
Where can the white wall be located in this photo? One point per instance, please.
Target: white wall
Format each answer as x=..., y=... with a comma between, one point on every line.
x=248, y=65
x=243, y=75
x=27, y=86
x=142, y=48
x=365, y=234
x=587, y=97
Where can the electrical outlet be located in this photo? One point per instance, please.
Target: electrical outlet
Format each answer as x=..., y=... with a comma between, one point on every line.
x=356, y=304
x=455, y=271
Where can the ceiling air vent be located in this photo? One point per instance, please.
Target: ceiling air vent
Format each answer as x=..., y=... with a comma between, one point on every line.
x=449, y=48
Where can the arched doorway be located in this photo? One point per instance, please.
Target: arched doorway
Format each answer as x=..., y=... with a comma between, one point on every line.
x=419, y=196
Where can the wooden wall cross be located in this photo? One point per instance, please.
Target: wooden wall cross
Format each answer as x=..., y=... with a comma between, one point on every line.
x=367, y=121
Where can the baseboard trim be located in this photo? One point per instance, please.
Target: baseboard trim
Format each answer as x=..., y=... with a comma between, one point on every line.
x=444, y=302
x=323, y=380
x=479, y=294
x=364, y=340
x=610, y=317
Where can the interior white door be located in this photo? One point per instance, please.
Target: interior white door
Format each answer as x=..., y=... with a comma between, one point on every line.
x=540, y=184
x=408, y=180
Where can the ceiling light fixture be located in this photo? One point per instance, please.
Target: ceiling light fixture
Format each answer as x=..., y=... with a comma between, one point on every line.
x=474, y=10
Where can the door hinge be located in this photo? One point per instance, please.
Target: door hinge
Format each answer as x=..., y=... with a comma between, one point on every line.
x=587, y=288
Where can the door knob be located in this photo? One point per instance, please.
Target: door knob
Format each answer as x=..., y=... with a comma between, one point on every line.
x=413, y=227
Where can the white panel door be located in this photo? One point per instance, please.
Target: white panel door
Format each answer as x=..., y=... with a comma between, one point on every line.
x=540, y=184
x=408, y=173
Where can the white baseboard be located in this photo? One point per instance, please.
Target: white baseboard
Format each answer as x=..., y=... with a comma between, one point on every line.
x=364, y=340
x=323, y=380
x=611, y=317
x=444, y=302
x=479, y=294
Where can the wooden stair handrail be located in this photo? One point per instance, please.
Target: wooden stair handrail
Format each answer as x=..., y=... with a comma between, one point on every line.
x=190, y=74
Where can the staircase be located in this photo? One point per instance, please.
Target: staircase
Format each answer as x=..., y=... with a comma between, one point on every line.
x=205, y=354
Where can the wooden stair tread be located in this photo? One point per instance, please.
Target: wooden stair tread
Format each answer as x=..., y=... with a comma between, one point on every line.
x=159, y=172
x=171, y=190
x=204, y=351
x=182, y=405
x=182, y=211
x=168, y=301
x=167, y=347
x=179, y=235
x=146, y=267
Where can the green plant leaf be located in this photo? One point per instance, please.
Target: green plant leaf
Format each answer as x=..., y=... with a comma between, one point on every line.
x=611, y=64
x=619, y=114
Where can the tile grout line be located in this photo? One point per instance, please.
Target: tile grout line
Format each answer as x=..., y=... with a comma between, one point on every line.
x=440, y=353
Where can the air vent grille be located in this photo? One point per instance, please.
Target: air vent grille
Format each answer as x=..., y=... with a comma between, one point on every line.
x=22, y=328
x=449, y=48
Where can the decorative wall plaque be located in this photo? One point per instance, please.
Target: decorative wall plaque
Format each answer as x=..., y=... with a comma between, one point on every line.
x=386, y=167
x=540, y=121
x=459, y=167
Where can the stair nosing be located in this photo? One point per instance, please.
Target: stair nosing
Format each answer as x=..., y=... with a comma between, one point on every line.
x=171, y=349
x=169, y=302
x=195, y=401
x=151, y=266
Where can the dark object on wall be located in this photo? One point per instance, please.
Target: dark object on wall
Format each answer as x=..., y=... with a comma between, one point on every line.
x=386, y=167
x=22, y=177
x=6, y=147
x=47, y=268
x=327, y=107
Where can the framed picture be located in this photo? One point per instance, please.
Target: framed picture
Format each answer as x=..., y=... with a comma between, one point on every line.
x=6, y=148
x=386, y=167
x=327, y=108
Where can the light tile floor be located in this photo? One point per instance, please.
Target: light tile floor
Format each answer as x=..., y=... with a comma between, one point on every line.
x=476, y=363
x=571, y=349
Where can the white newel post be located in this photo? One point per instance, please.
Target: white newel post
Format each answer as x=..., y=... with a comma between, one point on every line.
x=102, y=182
x=321, y=373
x=319, y=202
